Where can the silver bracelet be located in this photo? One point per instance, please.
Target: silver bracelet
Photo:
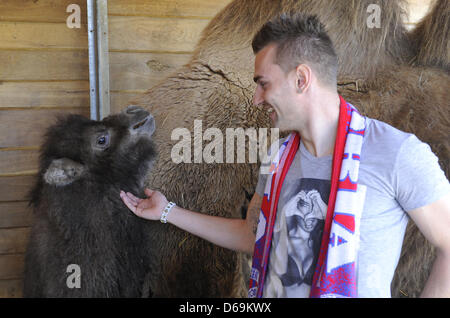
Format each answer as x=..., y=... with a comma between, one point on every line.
x=166, y=211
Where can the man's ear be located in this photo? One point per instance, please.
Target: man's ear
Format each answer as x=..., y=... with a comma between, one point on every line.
x=303, y=75
x=63, y=171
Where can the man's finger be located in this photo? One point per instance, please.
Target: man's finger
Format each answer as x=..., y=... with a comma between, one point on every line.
x=148, y=192
x=127, y=194
x=133, y=198
x=127, y=202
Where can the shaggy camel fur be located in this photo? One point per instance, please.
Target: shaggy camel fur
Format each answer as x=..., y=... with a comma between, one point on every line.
x=431, y=37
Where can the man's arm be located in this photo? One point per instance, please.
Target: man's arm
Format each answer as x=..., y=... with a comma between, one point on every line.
x=234, y=234
x=433, y=221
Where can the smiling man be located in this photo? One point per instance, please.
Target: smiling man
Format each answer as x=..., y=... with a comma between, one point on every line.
x=330, y=218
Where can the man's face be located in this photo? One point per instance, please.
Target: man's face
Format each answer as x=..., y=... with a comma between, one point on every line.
x=275, y=89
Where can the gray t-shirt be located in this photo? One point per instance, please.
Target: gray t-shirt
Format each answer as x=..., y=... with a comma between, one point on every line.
x=401, y=173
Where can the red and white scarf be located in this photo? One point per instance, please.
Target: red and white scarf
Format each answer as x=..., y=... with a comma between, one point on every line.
x=335, y=274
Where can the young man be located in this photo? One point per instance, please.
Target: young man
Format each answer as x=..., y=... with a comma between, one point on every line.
x=296, y=77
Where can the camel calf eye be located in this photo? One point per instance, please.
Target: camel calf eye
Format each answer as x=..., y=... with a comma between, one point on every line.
x=103, y=140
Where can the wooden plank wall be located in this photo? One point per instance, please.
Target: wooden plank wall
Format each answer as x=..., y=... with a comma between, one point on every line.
x=151, y=39
x=44, y=72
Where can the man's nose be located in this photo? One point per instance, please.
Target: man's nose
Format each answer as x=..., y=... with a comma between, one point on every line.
x=257, y=97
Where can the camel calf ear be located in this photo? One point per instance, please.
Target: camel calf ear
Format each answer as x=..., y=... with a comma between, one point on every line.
x=63, y=171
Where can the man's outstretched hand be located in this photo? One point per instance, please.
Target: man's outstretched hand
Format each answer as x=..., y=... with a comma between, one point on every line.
x=150, y=208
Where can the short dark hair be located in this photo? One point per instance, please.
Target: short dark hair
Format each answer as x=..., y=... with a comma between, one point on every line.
x=300, y=38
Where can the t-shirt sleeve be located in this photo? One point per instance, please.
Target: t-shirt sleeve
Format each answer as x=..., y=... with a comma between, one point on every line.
x=418, y=177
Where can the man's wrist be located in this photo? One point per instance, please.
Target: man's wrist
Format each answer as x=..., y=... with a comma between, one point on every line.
x=165, y=213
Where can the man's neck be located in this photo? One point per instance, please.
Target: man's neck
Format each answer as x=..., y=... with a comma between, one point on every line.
x=320, y=127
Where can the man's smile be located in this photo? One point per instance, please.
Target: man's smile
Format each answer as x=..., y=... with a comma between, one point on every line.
x=272, y=113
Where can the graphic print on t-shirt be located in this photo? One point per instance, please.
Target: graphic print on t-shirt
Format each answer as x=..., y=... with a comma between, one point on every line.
x=297, y=237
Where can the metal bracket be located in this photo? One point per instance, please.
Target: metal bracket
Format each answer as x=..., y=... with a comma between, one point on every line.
x=97, y=11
